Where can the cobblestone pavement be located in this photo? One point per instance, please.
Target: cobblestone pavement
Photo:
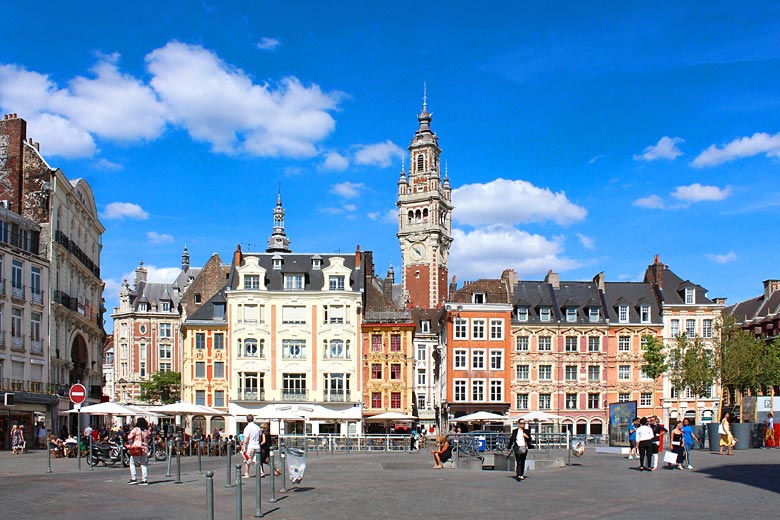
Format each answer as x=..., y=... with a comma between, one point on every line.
x=379, y=485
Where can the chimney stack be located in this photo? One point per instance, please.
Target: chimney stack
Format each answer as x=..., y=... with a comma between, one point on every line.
x=453, y=285
x=553, y=279
x=599, y=281
x=237, y=256
x=357, y=257
x=770, y=286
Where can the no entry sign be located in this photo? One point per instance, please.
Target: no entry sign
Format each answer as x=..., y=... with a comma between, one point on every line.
x=77, y=393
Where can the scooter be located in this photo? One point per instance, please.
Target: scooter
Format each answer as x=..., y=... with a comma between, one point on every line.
x=108, y=453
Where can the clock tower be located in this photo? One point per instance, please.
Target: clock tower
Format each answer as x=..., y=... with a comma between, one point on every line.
x=424, y=219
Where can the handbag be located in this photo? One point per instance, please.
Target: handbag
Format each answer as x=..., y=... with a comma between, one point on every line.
x=670, y=457
x=135, y=451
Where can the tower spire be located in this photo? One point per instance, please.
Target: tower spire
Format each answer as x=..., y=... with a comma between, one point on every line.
x=278, y=241
x=425, y=96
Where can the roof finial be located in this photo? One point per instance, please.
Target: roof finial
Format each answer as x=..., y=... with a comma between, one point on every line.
x=279, y=196
x=425, y=96
x=446, y=169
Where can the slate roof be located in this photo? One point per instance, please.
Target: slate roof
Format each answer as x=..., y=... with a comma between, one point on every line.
x=672, y=290
x=757, y=308
x=434, y=316
x=205, y=313
x=153, y=293
x=300, y=263
x=633, y=294
x=495, y=291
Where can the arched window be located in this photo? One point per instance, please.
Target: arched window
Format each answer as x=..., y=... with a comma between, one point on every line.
x=411, y=216
x=336, y=348
x=420, y=162
x=425, y=215
x=417, y=216
x=250, y=347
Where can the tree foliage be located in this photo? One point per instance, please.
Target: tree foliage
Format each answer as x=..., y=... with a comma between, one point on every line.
x=739, y=357
x=163, y=388
x=655, y=360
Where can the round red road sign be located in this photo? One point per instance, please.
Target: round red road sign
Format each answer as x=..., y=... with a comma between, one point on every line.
x=78, y=393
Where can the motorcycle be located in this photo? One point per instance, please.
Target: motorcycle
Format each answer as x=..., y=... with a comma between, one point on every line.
x=108, y=453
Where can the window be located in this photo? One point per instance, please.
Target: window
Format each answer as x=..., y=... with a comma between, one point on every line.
x=335, y=349
x=624, y=343
x=594, y=343
x=293, y=348
x=164, y=352
x=143, y=307
x=644, y=313
x=624, y=372
x=293, y=282
x=521, y=344
x=197, y=301
x=460, y=359
x=277, y=263
x=496, y=329
x=17, y=316
x=478, y=329
x=165, y=306
x=395, y=399
x=376, y=371
x=200, y=397
x=571, y=314
x=545, y=401
x=545, y=314
x=594, y=373
x=251, y=281
x=690, y=295
x=571, y=343
x=16, y=274
x=219, y=369
x=593, y=314
x=674, y=328
x=35, y=282
x=496, y=391
x=594, y=401
x=522, y=401
x=376, y=343
x=571, y=372
x=165, y=366
x=293, y=314
x=200, y=340
x=35, y=332
x=478, y=390
x=690, y=328
x=142, y=351
x=425, y=326
x=165, y=330
x=420, y=162
x=623, y=313
x=646, y=399
x=545, y=372
x=421, y=350
x=496, y=360
x=421, y=402
x=252, y=348
x=522, y=314
x=219, y=398
x=706, y=328
x=294, y=386
x=624, y=397
x=545, y=343
x=316, y=264
x=336, y=282
x=522, y=372
x=643, y=342
x=477, y=359
x=395, y=371
x=460, y=390
x=219, y=341
x=200, y=369
x=478, y=298
x=421, y=377
x=251, y=313
x=376, y=400
x=395, y=343
x=461, y=328
x=571, y=401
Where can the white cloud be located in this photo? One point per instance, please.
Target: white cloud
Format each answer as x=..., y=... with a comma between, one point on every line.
x=340, y=210
x=586, y=241
x=348, y=190
x=722, y=259
x=697, y=193
x=513, y=202
x=122, y=210
x=60, y=137
x=651, y=201
x=220, y=104
x=666, y=148
x=267, y=43
x=378, y=154
x=388, y=217
x=757, y=144
x=487, y=251
x=154, y=274
x=335, y=161
x=159, y=238
x=106, y=165
x=596, y=158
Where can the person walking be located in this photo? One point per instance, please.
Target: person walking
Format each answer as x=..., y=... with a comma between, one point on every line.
x=659, y=430
x=251, y=443
x=17, y=440
x=688, y=438
x=634, y=451
x=769, y=434
x=676, y=444
x=265, y=447
x=519, y=443
x=727, y=440
x=138, y=441
x=644, y=439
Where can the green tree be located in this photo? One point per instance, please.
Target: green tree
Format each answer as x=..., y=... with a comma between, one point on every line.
x=675, y=367
x=163, y=388
x=655, y=361
x=699, y=371
x=738, y=360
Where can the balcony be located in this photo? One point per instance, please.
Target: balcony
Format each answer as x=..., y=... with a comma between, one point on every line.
x=36, y=296
x=63, y=240
x=294, y=395
x=23, y=385
x=251, y=395
x=36, y=346
x=2, y=340
x=336, y=355
x=17, y=292
x=17, y=343
x=336, y=397
x=2, y=286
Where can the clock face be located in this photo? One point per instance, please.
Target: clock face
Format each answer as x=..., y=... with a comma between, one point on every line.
x=417, y=251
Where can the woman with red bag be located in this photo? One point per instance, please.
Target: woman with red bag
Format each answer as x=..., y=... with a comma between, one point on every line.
x=137, y=441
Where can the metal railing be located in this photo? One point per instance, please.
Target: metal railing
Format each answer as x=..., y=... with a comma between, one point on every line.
x=251, y=395
x=294, y=395
x=336, y=397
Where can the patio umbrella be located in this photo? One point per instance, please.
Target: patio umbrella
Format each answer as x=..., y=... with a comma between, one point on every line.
x=538, y=416
x=389, y=417
x=105, y=409
x=480, y=417
x=185, y=409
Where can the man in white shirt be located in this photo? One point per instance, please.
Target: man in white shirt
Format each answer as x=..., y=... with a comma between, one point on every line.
x=251, y=442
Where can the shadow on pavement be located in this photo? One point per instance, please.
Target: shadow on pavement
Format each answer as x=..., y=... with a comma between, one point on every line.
x=303, y=489
x=763, y=476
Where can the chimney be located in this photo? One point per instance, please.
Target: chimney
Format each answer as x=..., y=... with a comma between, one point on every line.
x=553, y=279
x=719, y=301
x=770, y=286
x=654, y=273
x=511, y=277
x=237, y=256
x=453, y=285
x=387, y=284
x=140, y=274
x=598, y=280
x=357, y=257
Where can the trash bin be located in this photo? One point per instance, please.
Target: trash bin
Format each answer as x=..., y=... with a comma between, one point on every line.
x=742, y=432
x=714, y=436
x=481, y=443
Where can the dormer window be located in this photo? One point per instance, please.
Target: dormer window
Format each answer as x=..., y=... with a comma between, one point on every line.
x=336, y=282
x=251, y=281
x=571, y=314
x=294, y=282
x=690, y=295
x=545, y=314
x=622, y=313
x=522, y=313
x=219, y=311
x=277, y=263
x=478, y=298
x=644, y=313
x=165, y=306
x=593, y=314
x=316, y=264
x=425, y=326
x=143, y=307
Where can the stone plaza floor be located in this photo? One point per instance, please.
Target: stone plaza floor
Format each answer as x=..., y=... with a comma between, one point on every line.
x=401, y=485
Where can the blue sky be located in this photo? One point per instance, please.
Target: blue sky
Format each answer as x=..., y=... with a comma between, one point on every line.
x=579, y=137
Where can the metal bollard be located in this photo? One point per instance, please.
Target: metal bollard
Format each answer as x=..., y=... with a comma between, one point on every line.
x=48, y=445
x=568, y=447
x=169, y=445
x=258, y=479
x=239, y=496
x=78, y=449
x=229, y=468
x=282, y=463
x=190, y=446
x=209, y=495
x=90, y=462
x=273, y=477
x=208, y=447
x=178, y=460
x=200, y=468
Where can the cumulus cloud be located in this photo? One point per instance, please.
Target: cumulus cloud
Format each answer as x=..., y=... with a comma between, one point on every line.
x=487, y=251
x=154, y=274
x=106, y=165
x=348, y=190
x=512, y=202
x=586, y=241
x=666, y=148
x=388, y=217
x=221, y=105
x=335, y=161
x=267, y=43
x=159, y=238
x=340, y=210
x=722, y=259
x=651, y=201
x=378, y=154
x=123, y=210
x=757, y=144
x=697, y=193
